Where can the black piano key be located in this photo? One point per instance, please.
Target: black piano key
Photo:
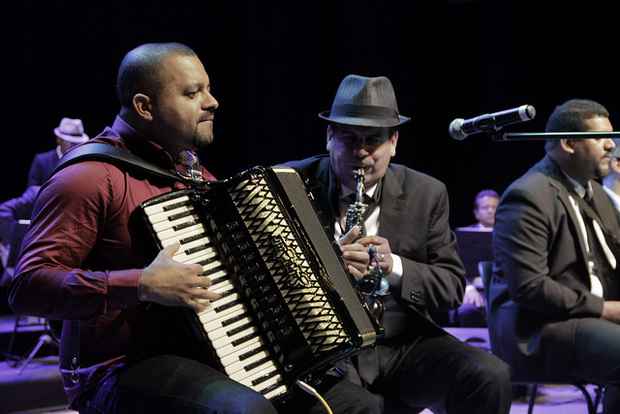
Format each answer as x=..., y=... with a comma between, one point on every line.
x=228, y=305
x=239, y=329
x=183, y=225
x=217, y=279
x=180, y=215
x=197, y=249
x=248, y=354
x=192, y=238
x=234, y=319
x=207, y=261
x=271, y=388
x=264, y=378
x=243, y=339
x=176, y=205
x=255, y=364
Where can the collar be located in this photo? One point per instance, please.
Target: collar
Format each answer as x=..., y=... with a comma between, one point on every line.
x=346, y=192
x=580, y=190
x=142, y=146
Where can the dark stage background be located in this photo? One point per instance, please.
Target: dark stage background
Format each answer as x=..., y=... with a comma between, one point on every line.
x=274, y=65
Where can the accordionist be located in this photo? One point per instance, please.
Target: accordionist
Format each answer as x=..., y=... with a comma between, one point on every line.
x=84, y=262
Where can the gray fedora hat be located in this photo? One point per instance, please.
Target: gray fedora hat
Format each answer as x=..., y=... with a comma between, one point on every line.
x=364, y=101
x=71, y=130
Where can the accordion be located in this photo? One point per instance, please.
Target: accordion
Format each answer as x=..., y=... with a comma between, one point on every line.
x=288, y=308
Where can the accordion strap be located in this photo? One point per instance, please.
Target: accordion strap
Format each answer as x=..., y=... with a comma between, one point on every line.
x=97, y=151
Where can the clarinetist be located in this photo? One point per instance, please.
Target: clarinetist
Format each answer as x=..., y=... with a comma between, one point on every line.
x=403, y=215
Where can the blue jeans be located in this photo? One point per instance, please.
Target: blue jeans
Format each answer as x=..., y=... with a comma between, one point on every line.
x=171, y=384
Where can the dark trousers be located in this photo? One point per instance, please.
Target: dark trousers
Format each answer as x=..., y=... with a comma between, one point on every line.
x=593, y=355
x=437, y=372
x=170, y=384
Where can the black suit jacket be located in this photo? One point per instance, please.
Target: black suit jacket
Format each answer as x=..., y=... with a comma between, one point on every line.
x=540, y=273
x=42, y=167
x=414, y=218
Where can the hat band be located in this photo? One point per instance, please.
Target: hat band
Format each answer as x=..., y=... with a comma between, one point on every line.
x=364, y=111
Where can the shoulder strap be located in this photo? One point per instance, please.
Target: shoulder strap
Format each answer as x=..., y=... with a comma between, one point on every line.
x=97, y=151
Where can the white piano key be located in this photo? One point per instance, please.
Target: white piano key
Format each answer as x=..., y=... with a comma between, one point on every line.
x=171, y=234
x=211, y=265
x=224, y=286
x=187, y=258
x=278, y=391
x=216, y=274
x=160, y=206
x=267, y=384
x=163, y=215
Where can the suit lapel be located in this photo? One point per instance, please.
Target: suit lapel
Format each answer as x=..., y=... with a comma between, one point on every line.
x=392, y=205
x=560, y=183
x=327, y=194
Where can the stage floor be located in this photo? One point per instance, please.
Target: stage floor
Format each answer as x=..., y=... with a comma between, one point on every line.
x=41, y=378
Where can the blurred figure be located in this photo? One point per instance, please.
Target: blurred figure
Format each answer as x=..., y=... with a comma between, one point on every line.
x=69, y=133
x=472, y=312
x=485, y=204
x=14, y=220
x=611, y=183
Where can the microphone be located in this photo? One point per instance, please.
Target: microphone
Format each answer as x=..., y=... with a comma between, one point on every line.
x=460, y=128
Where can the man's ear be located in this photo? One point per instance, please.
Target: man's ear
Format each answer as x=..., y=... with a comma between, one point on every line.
x=568, y=145
x=143, y=107
x=328, y=143
x=394, y=141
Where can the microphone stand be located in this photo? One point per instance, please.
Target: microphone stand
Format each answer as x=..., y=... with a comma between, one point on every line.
x=543, y=136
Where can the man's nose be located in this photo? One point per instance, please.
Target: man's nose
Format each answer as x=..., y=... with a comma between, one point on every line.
x=361, y=151
x=210, y=103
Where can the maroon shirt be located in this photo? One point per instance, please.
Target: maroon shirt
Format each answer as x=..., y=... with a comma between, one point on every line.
x=80, y=261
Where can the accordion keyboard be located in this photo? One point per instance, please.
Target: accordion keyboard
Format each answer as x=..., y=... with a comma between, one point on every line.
x=227, y=322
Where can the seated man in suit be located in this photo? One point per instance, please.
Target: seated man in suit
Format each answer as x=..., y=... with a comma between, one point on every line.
x=555, y=309
x=69, y=133
x=417, y=364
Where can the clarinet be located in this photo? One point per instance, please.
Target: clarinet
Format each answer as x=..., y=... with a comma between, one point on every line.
x=373, y=285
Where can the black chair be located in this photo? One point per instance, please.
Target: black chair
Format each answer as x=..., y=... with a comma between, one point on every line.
x=486, y=274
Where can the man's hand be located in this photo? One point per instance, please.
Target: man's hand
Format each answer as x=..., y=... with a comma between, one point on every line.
x=354, y=254
x=384, y=251
x=473, y=297
x=611, y=311
x=171, y=283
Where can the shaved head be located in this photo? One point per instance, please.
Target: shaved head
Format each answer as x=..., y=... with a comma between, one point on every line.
x=140, y=68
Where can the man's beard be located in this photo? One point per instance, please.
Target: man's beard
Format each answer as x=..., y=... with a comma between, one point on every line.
x=201, y=141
